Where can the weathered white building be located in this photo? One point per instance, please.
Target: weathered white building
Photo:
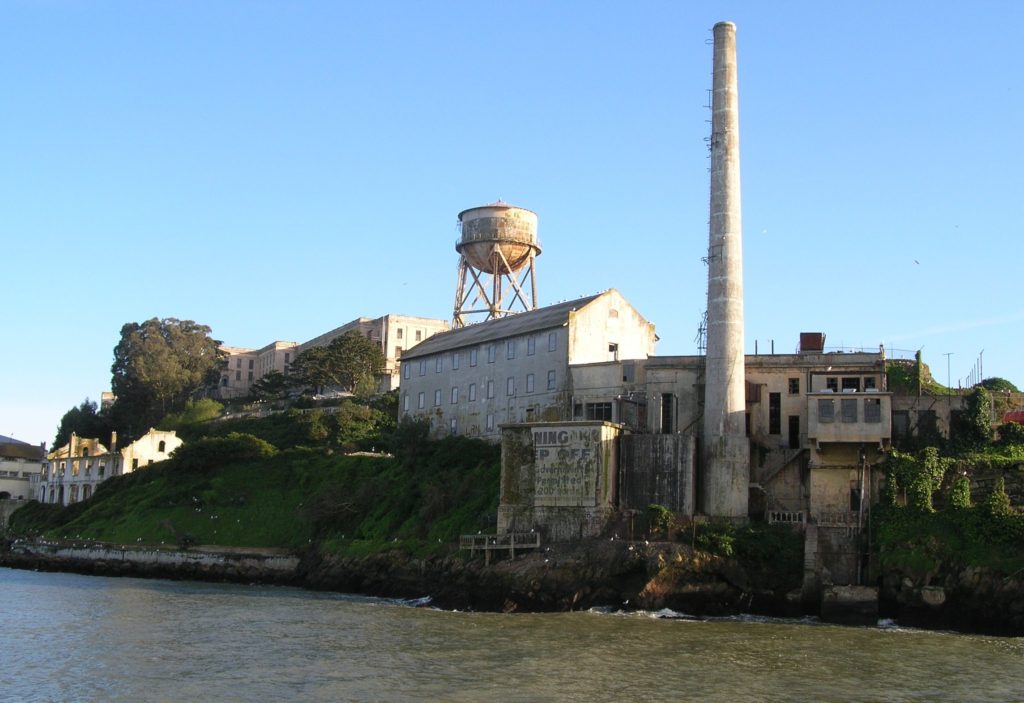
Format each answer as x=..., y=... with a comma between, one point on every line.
x=72, y=472
x=516, y=369
x=19, y=463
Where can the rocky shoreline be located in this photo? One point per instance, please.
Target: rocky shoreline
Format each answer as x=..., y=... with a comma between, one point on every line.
x=599, y=573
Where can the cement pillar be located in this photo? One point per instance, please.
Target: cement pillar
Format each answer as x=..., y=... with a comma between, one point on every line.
x=726, y=449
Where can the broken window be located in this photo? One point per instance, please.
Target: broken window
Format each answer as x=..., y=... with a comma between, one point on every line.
x=794, y=386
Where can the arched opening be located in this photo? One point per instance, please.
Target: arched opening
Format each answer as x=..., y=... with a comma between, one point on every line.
x=4, y=495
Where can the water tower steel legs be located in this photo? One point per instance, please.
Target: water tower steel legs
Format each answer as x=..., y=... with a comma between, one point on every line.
x=726, y=449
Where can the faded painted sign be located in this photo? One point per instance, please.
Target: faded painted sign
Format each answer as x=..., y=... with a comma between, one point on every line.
x=567, y=463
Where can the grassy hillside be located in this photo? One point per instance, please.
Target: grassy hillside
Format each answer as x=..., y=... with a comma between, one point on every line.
x=248, y=494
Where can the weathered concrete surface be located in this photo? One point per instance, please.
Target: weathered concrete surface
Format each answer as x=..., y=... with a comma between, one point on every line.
x=726, y=448
x=850, y=605
x=236, y=565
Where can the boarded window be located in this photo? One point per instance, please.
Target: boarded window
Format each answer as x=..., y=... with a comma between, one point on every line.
x=872, y=410
x=849, y=409
x=826, y=410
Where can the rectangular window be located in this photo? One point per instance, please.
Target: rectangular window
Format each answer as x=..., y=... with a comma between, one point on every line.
x=851, y=384
x=900, y=423
x=405, y=402
x=238, y=363
x=423, y=367
x=437, y=397
x=490, y=389
x=419, y=335
x=438, y=364
x=667, y=406
x=422, y=401
x=472, y=392
x=794, y=386
x=599, y=411
x=491, y=353
x=398, y=333
x=238, y=375
x=551, y=380
x=510, y=386
x=455, y=361
x=832, y=384
x=250, y=376
x=510, y=349
x=849, y=409
x=453, y=425
x=472, y=357
x=529, y=383
x=250, y=363
x=455, y=395
x=872, y=410
x=531, y=345
x=406, y=370
x=490, y=421
x=869, y=382
x=552, y=341
x=287, y=358
x=774, y=413
x=826, y=410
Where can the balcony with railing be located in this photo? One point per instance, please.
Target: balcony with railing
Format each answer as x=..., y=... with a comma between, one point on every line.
x=850, y=417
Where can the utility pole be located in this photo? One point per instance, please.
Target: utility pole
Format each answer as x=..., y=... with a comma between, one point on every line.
x=949, y=390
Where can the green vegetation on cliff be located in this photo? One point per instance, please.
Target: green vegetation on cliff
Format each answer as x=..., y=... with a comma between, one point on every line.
x=240, y=490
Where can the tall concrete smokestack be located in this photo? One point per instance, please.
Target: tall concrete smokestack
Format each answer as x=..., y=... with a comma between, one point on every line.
x=726, y=449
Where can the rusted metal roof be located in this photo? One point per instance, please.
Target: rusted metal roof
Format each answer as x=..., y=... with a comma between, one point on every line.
x=500, y=328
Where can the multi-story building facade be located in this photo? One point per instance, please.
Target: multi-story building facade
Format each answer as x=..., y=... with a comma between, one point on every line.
x=246, y=366
x=395, y=334
x=516, y=368
x=19, y=463
x=72, y=472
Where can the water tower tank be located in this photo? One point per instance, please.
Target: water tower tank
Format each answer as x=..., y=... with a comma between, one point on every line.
x=497, y=246
x=498, y=227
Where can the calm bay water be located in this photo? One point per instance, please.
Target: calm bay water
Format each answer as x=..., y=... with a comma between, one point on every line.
x=67, y=637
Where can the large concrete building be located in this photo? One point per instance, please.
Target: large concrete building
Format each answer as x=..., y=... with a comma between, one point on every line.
x=246, y=366
x=72, y=472
x=512, y=369
x=19, y=462
x=395, y=334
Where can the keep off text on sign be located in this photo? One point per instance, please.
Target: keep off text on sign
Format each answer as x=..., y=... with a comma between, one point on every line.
x=567, y=461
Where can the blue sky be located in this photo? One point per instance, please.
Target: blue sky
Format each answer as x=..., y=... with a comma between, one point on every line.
x=275, y=169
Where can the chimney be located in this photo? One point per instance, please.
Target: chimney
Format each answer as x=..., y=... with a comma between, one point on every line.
x=726, y=449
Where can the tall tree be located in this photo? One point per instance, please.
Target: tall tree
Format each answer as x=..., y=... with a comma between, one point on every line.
x=350, y=362
x=158, y=365
x=84, y=421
